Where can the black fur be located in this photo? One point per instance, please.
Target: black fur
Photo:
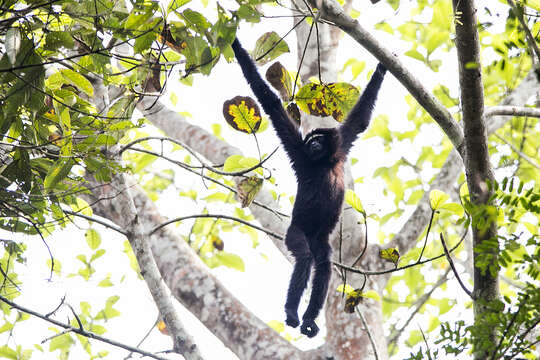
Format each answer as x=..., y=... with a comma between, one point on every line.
x=318, y=165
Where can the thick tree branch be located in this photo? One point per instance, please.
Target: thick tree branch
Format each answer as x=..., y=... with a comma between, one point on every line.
x=478, y=169
x=182, y=341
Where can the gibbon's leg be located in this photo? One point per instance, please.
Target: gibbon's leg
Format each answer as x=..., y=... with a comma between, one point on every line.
x=321, y=251
x=297, y=244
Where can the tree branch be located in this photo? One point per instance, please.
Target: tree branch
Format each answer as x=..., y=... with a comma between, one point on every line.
x=81, y=332
x=511, y=111
x=182, y=341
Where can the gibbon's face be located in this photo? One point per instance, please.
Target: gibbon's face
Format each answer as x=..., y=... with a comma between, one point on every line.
x=317, y=145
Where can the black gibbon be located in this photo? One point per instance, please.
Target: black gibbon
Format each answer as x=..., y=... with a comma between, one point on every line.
x=317, y=162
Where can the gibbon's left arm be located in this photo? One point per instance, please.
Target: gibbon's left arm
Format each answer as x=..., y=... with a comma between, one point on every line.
x=286, y=130
x=360, y=115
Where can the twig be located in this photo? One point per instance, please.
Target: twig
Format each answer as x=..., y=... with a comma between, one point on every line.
x=519, y=153
x=84, y=333
x=219, y=216
x=96, y=220
x=58, y=307
x=144, y=337
x=365, y=272
x=192, y=152
x=364, y=322
x=427, y=234
x=454, y=268
x=395, y=334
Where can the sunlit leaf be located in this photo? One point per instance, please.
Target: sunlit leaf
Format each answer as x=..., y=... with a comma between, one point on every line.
x=352, y=199
x=278, y=326
x=345, y=288
x=268, y=47
x=390, y=254
x=229, y=260
x=437, y=198
x=93, y=239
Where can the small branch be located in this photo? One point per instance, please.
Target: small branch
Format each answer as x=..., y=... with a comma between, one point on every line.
x=365, y=272
x=218, y=216
x=454, y=268
x=519, y=153
x=97, y=221
x=192, y=152
x=86, y=334
x=395, y=334
x=427, y=234
x=364, y=323
x=530, y=38
x=511, y=111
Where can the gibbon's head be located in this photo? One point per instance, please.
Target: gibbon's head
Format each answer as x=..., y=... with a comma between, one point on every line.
x=322, y=144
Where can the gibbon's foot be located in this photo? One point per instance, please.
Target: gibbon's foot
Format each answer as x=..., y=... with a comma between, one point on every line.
x=309, y=328
x=292, y=318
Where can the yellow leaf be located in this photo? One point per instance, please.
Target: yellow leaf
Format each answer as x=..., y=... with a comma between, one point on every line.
x=437, y=198
x=390, y=254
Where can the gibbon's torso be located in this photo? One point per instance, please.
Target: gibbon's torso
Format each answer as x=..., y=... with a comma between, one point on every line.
x=323, y=190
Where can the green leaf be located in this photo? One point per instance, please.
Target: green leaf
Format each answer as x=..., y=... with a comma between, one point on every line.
x=235, y=163
x=105, y=282
x=437, y=198
x=454, y=208
x=59, y=170
x=62, y=342
x=248, y=188
x=175, y=4
x=354, y=201
x=93, y=239
x=268, y=47
x=81, y=206
x=229, y=260
x=8, y=353
x=414, y=338
x=415, y=55
x=372, y=294
x=77, y=80
x=390, y=254
x=12, y=44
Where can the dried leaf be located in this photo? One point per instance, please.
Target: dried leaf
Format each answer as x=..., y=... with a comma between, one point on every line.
x=248, y=189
